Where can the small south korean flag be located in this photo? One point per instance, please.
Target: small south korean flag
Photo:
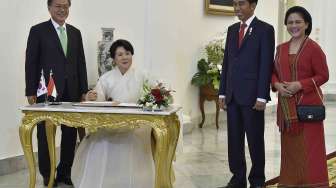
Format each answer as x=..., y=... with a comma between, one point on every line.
x=42, y=89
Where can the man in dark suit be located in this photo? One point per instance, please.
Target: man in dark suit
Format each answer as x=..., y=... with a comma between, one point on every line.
x=244, y=90
x=57, y=46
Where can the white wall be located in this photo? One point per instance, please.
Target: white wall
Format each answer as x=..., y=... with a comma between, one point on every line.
x=167, y=36
x=15, y=19
x=326, y=34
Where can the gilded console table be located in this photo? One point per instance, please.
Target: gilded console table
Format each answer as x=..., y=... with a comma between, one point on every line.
x=165, y=126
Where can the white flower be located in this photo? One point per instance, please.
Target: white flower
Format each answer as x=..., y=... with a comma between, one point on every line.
x=219, y=66
x=151, y=98
x=149, y=104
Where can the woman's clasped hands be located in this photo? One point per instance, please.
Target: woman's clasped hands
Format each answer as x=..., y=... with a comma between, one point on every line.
x=288, y=89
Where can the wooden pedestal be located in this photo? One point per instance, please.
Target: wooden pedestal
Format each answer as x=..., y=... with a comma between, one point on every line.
x=209, y=93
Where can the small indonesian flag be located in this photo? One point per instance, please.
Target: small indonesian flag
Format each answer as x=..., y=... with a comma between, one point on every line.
x=42, y=89
x=51, y=86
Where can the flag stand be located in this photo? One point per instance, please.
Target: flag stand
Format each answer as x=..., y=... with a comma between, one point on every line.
x=52, y=92
x=46, y=99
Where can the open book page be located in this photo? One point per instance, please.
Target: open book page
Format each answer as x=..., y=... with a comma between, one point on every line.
x=106, y=104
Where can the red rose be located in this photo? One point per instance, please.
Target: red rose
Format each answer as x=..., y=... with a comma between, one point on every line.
x=157, y=95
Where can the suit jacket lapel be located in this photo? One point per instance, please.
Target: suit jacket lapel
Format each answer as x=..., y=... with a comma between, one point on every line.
x=236, y=35
x=70, y=35
x=249, y=32
x=55, y=38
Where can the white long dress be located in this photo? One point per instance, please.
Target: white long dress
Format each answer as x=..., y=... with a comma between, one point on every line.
x=116, y=159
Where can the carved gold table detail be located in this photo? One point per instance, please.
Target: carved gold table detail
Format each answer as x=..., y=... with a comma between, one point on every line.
x=165, y=126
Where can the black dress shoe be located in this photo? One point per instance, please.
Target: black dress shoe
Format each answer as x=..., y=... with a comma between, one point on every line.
x=46, y=182
x=65, y=180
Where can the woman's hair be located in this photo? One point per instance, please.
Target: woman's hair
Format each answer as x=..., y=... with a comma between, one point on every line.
x=121, y=43
x=304, y=14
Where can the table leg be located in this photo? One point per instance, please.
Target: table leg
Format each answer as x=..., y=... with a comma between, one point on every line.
x=173, y=125
x=50, y=132
x=81, y=133
x=25, y=132
x=201, y=103
x=166, y=135
x=160, y=157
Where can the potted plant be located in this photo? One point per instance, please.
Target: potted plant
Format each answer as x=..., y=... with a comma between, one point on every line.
x=208, y=76
x=209, y=68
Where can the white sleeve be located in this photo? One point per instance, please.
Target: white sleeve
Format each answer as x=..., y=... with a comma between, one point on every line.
x=100, y=91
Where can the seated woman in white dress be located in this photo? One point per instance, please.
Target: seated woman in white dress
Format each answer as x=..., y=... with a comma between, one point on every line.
x=114, y=158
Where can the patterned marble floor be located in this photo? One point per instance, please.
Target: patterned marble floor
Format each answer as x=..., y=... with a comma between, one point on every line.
x=203, y=162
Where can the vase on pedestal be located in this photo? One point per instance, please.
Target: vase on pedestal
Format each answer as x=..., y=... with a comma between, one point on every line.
x=104, y=58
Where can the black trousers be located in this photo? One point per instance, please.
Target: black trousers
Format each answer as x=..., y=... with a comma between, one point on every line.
x=68, y=143
x=245, y=120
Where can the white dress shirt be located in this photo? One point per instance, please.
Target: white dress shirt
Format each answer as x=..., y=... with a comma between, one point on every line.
x=56, y=25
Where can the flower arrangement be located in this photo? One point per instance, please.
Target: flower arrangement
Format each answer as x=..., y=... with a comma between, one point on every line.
x=209, y=68
x=155, y=98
